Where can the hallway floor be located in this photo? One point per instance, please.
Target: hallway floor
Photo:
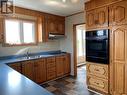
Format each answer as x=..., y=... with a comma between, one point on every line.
x=70, y=85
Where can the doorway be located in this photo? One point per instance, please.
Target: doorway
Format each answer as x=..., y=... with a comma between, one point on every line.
x=79, y=46
x=80, y=33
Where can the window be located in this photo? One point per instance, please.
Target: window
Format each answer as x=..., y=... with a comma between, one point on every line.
x=18, y=32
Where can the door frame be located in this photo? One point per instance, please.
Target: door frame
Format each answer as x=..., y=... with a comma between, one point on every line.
x=75, y=47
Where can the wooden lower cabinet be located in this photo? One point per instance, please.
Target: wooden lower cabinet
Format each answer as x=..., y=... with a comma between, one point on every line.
x=40, y=70
x=51, y=68
x=28, y=69
x=67, y=65
x=97, y=77
x=99, y=70
x=60, y=60
x=45, y=69
x=16, y=66
x=97, y=83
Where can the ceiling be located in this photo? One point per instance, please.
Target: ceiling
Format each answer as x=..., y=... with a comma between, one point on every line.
x=53, y=6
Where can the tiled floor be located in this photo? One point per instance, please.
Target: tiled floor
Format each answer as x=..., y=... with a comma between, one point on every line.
x=70, y=85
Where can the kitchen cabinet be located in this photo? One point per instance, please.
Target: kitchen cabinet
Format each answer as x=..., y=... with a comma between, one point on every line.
x=97, y=83
x=90, y=21
x=97, y=77
x=98, y=70
x=28, y=69
x=97, y=18
x=60, y=60
x=51, y=68
x=67, y=64
x=44, y=69
x=101, y=17
x=118, y=13
x=16, y=66
x=118, y=63
x=55, y=25
x=40, y=70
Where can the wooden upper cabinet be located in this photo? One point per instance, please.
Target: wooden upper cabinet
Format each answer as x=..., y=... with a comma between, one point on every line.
x=61, y=27
x=55, y=25
x=28, y=69
x=118, y=13
x=40, y=70
x=97, y=18
x=90, y=19
x=52, y=26
x=101, y=19
x=16, y=66
x=119, y=54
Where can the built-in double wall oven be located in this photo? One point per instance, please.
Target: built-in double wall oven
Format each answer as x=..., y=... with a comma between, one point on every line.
x=97, y=46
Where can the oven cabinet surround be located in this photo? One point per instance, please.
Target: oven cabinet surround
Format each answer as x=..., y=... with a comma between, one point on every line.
x=118, y=67
x=117, y=23
x=44, y=69
x=98, y=77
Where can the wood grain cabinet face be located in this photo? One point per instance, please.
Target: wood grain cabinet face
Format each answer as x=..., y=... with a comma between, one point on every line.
x=61, y=27
x=67, y=64
x=52, y=26
x=97, y=83
x=101, y=19
x=51, y=68
x=28, y=69
x=119, y=50
x=60, y=60
x=90, y=21
x=118, y=13
x=40, y=70
x=98, y=70
x=16, y=66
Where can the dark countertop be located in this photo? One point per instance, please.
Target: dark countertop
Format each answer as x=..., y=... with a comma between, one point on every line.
x=13, y=83
x=14, y=59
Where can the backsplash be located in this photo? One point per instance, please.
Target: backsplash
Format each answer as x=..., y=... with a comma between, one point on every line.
x=16, y=50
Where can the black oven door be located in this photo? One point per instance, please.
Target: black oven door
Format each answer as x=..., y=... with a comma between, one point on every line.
x=97, y=50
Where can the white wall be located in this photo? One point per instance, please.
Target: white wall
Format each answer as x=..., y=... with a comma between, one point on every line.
x=48, y=46
x=67, y=44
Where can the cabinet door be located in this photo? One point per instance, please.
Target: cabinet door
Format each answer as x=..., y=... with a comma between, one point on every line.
x=28, y=69
x=101, y=17
x=40, y=70
x=52, y=26
x=61, y=27
x=118, y=13
x=67, y=63
x=90, y=19
x=16, y=66
x=119, y=40
x=60, y=65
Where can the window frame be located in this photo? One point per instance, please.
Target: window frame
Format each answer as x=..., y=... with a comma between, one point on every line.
x=21, y=20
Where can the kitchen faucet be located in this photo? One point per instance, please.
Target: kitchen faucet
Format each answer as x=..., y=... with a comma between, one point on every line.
x=27, y=53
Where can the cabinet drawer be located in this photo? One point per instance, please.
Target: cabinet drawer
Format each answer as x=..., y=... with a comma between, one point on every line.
x=51, y=65
x=97, y=83
x=51, y=75
x=50, y=60
x=99, y=70
x=51, y=69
